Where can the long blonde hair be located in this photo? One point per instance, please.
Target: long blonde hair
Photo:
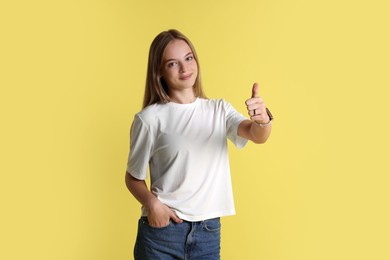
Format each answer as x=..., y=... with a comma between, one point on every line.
x=156, y=89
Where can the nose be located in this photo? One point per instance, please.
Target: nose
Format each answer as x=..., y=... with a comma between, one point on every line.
x=183, y=68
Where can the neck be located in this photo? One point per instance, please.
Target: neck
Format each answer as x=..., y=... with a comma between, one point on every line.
x=182, y=98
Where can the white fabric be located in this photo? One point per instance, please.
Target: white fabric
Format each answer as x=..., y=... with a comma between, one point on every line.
x=185, y=146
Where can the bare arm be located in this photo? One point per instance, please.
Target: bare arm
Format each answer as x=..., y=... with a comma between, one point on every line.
x=158, y=213
x=251, y=131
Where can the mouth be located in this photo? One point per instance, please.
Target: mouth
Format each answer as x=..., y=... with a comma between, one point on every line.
x=185, y=77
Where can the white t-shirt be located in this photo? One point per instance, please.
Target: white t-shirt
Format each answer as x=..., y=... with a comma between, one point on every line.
x=185, y=146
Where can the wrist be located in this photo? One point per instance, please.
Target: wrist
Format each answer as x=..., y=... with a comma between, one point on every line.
x=267, y=123
x=152, y=202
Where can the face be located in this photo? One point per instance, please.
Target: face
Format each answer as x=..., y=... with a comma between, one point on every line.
x=179, y=68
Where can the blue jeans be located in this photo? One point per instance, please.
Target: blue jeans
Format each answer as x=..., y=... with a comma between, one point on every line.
x=186, y=241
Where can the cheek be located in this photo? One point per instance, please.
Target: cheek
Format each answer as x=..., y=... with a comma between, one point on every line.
x=167, y=74
x=195, y=67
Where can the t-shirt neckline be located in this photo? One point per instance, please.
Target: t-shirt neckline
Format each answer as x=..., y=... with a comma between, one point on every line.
x=179, y=105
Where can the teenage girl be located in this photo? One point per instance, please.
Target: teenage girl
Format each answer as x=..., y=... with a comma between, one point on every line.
x=181, y=136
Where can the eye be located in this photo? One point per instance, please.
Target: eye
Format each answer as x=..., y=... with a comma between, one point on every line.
x=189, y=58
x=171, y=64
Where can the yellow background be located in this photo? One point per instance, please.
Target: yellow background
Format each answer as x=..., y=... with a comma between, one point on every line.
x=72, y=75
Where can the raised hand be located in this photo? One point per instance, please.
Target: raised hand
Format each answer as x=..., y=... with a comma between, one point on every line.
x=256, y=107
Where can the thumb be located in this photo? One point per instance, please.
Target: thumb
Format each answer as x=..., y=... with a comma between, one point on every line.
x=255, y=90
x=175, y=218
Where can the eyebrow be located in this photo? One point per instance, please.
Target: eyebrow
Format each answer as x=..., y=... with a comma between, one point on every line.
x=190, y=53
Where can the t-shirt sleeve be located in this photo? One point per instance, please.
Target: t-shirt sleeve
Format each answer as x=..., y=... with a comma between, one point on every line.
x=140, y=149
x=233, y=120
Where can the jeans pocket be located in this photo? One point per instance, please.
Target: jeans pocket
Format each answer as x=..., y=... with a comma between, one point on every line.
x=212, y=225
x=145, y=222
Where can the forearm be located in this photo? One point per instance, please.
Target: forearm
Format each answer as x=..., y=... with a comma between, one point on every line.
x=158, y=213
x=250, y=130
x=260, y=134
x=140, y=191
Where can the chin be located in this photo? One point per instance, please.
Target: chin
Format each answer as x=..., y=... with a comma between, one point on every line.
x=187, y=85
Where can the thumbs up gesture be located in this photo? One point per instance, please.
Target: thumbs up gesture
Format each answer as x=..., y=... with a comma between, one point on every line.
x=256, y=107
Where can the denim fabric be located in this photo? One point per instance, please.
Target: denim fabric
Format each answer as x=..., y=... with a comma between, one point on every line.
x=187, y=241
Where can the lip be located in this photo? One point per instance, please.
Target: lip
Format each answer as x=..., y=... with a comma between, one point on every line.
x=186, y=77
